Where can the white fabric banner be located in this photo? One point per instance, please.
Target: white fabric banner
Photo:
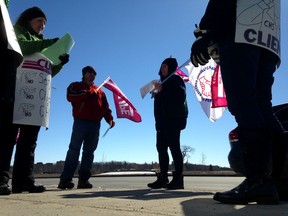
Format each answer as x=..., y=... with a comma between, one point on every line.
x=201, y=80
x=33, y=91
x=258, y=23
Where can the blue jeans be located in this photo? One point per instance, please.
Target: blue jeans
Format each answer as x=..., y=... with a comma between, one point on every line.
x=86, y=133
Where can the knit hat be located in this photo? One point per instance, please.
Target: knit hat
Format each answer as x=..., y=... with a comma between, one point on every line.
x=172, y=64
x=89, y=69
x=34, y=12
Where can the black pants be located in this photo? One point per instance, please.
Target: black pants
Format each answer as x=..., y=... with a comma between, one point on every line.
x=247, y=73
x=24, y=155
x=169, y=138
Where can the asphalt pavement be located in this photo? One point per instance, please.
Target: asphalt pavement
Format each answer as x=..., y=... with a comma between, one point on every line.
x=129, y=196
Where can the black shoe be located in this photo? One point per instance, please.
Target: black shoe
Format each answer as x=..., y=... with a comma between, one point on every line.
x=33, y=188
x=176, y=183
x=84, y=184
x=4, y=189
x=262, y=192
x=65, y=184
x=161, y=182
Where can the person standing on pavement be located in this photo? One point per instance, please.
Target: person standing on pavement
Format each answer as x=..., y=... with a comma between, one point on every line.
x=246, y=35
x=10, y=60
x=89, y=106
x=170, y=112
x=28, y=29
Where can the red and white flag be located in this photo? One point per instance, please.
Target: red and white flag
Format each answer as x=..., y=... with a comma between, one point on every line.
x=182, y=75
x=206, y=82
x=124, y=108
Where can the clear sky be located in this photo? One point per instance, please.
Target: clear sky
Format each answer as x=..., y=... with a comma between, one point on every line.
x=127, y=40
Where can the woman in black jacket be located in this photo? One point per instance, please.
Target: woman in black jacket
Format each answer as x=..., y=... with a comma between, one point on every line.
x=170, y=112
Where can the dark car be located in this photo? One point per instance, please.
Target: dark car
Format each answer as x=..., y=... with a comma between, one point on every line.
x=279, y=153
x=280, y=144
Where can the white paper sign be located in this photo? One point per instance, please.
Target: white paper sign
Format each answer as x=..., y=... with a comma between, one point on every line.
x=147, y=88
x=33, y=91
x=258, y=23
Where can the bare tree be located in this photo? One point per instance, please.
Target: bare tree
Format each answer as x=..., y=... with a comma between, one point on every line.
x=203, y=159
x=185, y=152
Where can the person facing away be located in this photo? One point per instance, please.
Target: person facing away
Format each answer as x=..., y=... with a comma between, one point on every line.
x=89, y=106
x=28, y=29
x=170, y=112
x=247, y=67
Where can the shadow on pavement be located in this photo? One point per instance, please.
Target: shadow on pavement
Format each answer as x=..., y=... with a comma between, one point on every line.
x=207, y=206
x=145, y=194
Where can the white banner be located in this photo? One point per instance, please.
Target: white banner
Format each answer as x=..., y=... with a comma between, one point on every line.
x=201, y=80
x=33, y=90
x=258, y=23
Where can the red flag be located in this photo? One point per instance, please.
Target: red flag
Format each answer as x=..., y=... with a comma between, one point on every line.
x=217, y=89
x=182, y=75
x=124, y=108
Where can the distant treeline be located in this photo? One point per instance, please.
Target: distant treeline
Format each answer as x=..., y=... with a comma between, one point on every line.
x=102, y=167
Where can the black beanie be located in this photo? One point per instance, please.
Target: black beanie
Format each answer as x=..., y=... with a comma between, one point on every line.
x=172, y=64
x=88, y=69
x=34, y=12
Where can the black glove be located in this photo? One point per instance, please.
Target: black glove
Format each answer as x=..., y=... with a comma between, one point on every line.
x=64, y=59
x=199, y=49
x=55, y=39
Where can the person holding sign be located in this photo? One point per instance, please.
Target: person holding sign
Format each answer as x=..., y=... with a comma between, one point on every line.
x=28, y=29
x=170, y=112
x=246, y=37
x=89, y=106
x=10, y=58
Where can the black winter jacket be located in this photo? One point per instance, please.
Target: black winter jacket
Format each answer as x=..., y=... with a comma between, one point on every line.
x=170, y=106
x=220, y=19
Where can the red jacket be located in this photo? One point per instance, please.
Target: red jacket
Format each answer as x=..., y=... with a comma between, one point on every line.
x=87, y=104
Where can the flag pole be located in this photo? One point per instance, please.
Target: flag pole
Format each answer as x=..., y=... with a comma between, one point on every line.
x=105, y=81
x=184, y=64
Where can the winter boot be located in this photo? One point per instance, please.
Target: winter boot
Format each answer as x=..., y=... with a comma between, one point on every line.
x=65, y=184
x=177, y=182
x=84, y=184
x=161, y=182
x=4, y=189
x=261, y=192
x=258, y=185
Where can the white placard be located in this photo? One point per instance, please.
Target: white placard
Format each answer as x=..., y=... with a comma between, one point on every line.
x=258, y=23
x=33, y=91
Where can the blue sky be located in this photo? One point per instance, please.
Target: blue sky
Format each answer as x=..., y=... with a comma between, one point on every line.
x=127, y=40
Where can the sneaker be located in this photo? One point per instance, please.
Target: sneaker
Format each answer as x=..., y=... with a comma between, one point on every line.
x=161, y=182
x=261, y=192
x=65, y=184
x=84, y=184
x=33, y=188
x=4, y=189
